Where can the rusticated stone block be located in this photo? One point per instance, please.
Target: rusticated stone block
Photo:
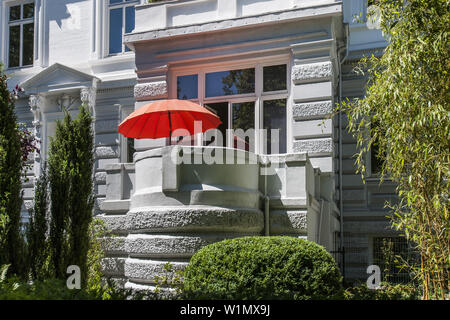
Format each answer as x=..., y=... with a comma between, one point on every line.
x=319, y=71
x=160, y=246
x=113, y=245
x=195, y=219
x=313, y=110
x=114, y=223
x=100, y=177
x=113, y=266
x=147, y=270
x=287, y=222
x=150, y=90
x=106, y=152
x=314, y=146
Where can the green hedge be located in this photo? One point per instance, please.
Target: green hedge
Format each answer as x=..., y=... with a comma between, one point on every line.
x=262, y=268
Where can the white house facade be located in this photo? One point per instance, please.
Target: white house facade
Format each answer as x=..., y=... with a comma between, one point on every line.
x=258, y=64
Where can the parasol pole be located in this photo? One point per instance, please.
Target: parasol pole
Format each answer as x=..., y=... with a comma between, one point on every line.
x=170, y=130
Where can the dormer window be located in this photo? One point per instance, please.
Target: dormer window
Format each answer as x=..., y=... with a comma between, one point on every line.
x=21, y=35
x=121, y=21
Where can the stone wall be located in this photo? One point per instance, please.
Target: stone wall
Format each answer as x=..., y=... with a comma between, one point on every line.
x=163, y=212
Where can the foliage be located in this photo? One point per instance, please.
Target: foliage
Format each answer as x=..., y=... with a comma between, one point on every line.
x=71, y=191
x=11, y=238
x=262, y=268
x=97, y=230
x=407, y=98
x=171, y=278
x=385, y=292
x=38, y=229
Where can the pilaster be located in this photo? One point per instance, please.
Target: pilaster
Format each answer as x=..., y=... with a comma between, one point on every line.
x=36, y=102
x=313, y=77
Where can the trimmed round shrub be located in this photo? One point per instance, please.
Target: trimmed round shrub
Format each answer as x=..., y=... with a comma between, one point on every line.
x=252, y=268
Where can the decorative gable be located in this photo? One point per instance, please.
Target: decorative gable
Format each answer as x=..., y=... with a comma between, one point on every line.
x=58, y=77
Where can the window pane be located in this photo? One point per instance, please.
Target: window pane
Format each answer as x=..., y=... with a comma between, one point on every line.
x=187, y=87
x=115, y=30
x=129, y=18
x=230, y=82
x=130, y=149
x=275, y=118
x=375, y=161
x=28, y=44
x=14, y=13
x=28, y=10
x=14, y=46
x=244, y=118
x=274, y=78
x=129, y=22
x=221, y=110
x=114, y=1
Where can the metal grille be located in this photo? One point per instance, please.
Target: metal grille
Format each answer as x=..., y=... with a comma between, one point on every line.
x=390, y=253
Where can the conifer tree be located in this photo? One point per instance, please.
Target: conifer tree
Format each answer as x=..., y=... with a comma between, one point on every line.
x=71, y=163
x=38, y=229
x=11, y=164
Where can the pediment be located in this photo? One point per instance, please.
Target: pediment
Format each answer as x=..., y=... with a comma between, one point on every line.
x=58, y=77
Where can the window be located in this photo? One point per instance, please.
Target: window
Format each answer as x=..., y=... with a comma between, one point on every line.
x=21, y=35
x=187, y=87
x=376, y=157
x=130, y=150
x=231, y=82
x=275, y=78
x=121, y=21
x=275, y=119
x=233, y=95
x=388, y=253
x=127, y=148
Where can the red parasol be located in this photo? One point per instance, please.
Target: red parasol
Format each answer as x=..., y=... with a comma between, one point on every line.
x=161, y=118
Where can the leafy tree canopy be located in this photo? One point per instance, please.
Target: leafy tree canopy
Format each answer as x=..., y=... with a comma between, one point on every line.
x=408, y=99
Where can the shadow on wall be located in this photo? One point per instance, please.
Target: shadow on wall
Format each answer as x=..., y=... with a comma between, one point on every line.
x=66, y=11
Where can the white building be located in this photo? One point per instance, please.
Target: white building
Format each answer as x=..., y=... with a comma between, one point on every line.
x=295, y=57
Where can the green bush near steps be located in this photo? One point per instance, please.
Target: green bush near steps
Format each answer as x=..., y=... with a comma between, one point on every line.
x=253, y=268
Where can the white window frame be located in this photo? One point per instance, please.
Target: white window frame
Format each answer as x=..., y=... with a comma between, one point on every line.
x=20, y=22
x=258, y=96
x=106, y=12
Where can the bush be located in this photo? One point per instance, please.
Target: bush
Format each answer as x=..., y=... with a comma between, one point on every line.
x=262, y=268
x=14, y=288
x=385, y=292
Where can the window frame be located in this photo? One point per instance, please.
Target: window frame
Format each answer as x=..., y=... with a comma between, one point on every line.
x=107, y=8
x=259, y=96
x=20, y=22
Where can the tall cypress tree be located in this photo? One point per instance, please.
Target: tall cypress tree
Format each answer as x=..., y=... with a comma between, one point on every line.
x=58, y=173
x=71, y=161
x=38, y=229
x=81, y=194
x=11, y=164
